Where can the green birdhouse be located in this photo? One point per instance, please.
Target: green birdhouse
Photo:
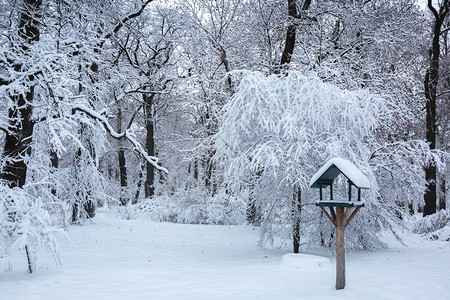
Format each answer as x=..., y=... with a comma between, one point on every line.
x=327, y=174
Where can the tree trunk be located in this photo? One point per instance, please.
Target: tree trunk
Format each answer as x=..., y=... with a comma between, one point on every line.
x=296, y=210
x=195, y=172
x=291, y=33
x=55, y=164
x=122, y=162
x=431, y=82
x=253, y=213
x=123, y=175
x=226, y=64
x=150, y=143
x=138, y=187
x=430, y=170
x=442, y=197
x=76, y=205
x=443, y=173
x=209, y=172
x=30, y=259
x=18, y=140
x=85, y=202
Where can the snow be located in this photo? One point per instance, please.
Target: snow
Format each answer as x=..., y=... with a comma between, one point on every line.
x=305, y=261
x=348, y=169
x=134, y=259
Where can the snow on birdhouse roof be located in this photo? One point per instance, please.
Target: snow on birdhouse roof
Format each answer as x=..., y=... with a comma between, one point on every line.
x=336, y=166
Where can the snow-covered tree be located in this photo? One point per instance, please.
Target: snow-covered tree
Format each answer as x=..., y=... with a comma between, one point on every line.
x=56, y=79
x=283, y=128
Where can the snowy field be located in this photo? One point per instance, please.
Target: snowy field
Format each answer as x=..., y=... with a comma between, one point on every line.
x=120, y=259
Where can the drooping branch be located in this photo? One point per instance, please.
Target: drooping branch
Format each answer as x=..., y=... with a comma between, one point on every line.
x=127, y=134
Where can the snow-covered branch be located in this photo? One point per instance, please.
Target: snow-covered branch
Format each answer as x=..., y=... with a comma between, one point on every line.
x=443, y=93
x=4, y=129
x=127, y=134
x=444, y=30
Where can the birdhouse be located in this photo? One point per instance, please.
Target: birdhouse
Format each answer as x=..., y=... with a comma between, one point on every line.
x=342, y=215
x=329, y=172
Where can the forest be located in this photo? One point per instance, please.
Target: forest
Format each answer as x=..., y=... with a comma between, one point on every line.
x=219, y=112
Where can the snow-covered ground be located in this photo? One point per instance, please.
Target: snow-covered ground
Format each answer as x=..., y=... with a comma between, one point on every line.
x=130, y=259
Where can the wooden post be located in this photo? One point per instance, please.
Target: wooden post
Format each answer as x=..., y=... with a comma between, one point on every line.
x=340, y=248
x=340, y=211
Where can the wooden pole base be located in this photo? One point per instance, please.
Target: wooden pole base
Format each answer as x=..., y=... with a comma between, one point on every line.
x=340, y=258
x=340, y=218
x=340, y=248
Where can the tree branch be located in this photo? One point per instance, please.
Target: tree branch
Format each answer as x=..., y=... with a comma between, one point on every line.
x=133, y=116
x=5, y=130
x=443, y=93
x=444, y=30
x=126, y=19
x=127, y=134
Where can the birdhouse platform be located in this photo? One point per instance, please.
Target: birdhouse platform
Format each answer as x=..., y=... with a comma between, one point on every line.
x=340, y=203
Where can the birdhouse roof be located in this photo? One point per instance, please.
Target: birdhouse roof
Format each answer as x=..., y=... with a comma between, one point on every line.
x=336, y=166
